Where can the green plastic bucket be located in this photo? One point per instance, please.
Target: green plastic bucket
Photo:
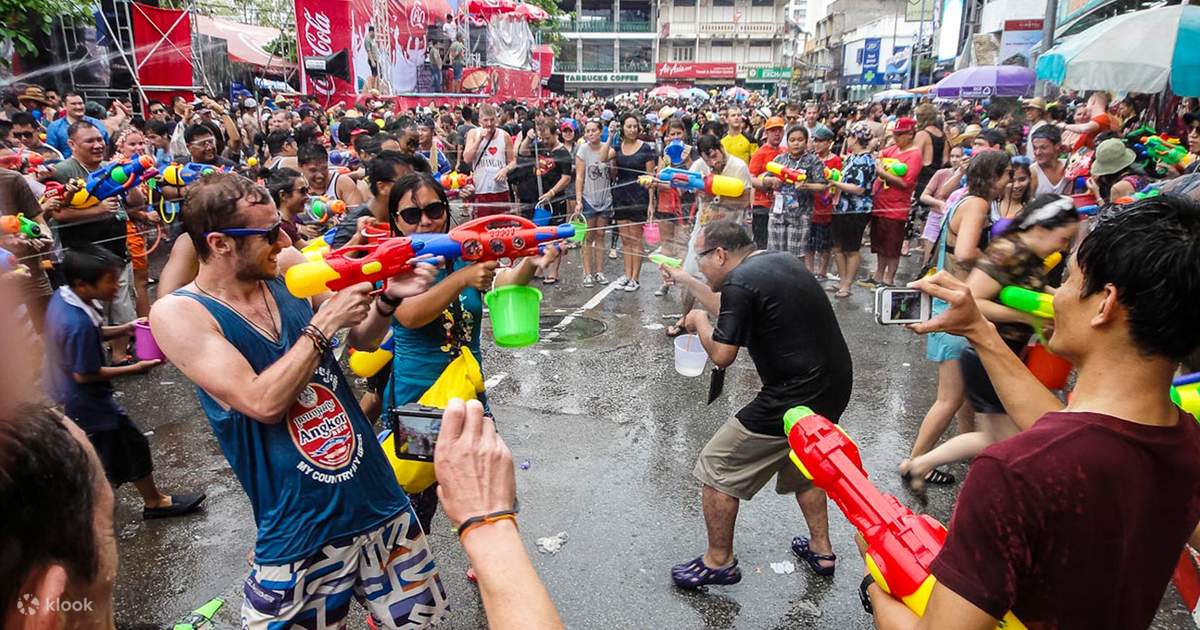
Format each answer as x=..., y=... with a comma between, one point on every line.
x=516, y=314
x=580, y=230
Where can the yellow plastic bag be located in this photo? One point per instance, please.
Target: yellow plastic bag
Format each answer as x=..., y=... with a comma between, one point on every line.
x=463, y=378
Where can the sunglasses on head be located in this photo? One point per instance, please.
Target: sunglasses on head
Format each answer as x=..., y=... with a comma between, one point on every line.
x=412, y=216
x=271, y=234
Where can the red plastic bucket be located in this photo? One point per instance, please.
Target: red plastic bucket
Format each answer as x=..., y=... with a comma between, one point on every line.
x=1049, y=368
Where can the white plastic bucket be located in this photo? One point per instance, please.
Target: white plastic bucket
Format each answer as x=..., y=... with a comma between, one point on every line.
x=690, y=356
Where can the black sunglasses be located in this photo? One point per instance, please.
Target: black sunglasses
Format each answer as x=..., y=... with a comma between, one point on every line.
x=271, y=234
x=434, y=211
x=22, y=134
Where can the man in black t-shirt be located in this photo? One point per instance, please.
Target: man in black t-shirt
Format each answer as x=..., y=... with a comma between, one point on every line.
x=769, y=303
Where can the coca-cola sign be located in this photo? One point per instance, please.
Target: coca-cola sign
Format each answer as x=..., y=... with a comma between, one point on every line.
x=696, y=70
x=317, y=35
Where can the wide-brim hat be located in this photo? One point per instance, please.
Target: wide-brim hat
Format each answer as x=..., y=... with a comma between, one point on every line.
x=1111, y=156
x=968, y=135
x=33, y=93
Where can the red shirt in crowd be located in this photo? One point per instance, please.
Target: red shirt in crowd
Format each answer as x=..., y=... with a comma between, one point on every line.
x=758, y=166
x=893, y=202
x=1089, y=139
x=1076, y=523
x=823, y=201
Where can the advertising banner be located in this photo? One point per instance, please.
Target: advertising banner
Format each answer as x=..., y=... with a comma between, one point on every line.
x=696, y=70
x=1017, y=42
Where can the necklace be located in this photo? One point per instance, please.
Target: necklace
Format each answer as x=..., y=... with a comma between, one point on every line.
x=272, y=334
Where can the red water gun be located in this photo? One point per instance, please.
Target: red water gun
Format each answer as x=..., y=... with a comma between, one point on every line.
x=787, y=174
x=900, y=545
x=22, y=161
x=492, y=238
x=337, y=270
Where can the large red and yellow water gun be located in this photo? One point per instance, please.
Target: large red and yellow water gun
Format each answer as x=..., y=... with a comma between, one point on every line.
x=486, y=238
x=788, y=175
x=711, y=184
x=900, y=545
x=337, y=269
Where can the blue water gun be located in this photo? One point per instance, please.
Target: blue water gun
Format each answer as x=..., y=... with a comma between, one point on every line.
x=115, y=179
x=185, y=174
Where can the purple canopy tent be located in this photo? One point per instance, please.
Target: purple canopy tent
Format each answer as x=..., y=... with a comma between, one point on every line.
x=987, y=81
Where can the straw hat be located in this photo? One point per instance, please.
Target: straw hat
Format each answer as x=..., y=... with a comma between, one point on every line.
x=968, y=135
x=1111, y=156
x=1036, y=102
x=33, y=93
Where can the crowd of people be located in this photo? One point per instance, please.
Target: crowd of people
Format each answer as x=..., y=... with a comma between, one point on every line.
x=1078, y=197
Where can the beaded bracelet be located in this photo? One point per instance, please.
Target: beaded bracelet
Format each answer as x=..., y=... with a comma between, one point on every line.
x=486, y=519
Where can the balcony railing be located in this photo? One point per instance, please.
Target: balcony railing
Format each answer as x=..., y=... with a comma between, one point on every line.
x=629, y=26
x=561, y=65
x=636, y=66
x=568, y=25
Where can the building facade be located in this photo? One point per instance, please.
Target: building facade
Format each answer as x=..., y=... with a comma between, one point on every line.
x=719, y=43
x=608, y=45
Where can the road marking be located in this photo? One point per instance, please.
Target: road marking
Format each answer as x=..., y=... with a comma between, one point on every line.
x=495, y=380
x=587, y=306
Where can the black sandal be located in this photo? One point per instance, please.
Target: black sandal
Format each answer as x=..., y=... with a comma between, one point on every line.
x=940, y=478
x=813, y=559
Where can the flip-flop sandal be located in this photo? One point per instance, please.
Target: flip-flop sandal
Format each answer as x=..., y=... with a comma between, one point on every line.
x=940, y=478
x=674, y=330
x=812, y=558
x=549, y=280
x=842, y=294
x=695, y=574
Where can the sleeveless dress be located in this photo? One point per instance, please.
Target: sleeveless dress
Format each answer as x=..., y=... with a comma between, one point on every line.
x=320, y=474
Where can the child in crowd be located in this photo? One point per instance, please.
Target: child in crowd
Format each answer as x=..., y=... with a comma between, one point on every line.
x=77, y=377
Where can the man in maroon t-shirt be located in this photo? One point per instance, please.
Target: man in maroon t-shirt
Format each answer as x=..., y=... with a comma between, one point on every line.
x=1077, y=522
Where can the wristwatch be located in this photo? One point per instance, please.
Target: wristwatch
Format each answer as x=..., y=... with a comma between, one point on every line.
x=393, y=304
x=866, y=583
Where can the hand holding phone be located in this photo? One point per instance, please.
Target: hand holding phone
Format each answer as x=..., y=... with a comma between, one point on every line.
x=898, y=305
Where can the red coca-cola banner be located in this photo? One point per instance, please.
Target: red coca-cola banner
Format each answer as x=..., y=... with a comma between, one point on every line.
x=323, y=28
x=696, y=70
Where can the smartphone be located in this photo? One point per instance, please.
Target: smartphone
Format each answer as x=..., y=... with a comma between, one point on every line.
x=415, y=428
x=897, y=305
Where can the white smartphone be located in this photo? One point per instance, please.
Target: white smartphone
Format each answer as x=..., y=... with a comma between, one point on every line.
x=897, y=305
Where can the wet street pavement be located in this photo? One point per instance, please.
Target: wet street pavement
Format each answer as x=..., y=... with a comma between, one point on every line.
x=609, y=432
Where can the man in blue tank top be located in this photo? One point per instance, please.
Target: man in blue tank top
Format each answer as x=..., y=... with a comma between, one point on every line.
x=332, y=521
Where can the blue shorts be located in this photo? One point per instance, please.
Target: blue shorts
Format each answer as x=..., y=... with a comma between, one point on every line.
x=941, y=347
x=389, y=570
x=589, y=212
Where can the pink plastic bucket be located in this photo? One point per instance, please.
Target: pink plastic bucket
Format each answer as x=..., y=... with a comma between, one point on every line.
x=147, y=348
x=650, y=233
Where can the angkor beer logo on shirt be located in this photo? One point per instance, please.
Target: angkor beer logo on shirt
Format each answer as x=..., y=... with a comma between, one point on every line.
x=321, y=431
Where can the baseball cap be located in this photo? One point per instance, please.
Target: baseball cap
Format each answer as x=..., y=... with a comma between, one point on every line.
x=775, y=122
x=249, y=102
x=607, y=115
x=904, y=124
x=822, y=133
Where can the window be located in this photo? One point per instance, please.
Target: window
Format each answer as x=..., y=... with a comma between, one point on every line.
x=721, y=51
x=722, y=3
x=685, y=3
x=760, y=52
x=683, y=53
x=762, y=3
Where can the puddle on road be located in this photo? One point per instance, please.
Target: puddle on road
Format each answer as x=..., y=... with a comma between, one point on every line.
x=578, y=328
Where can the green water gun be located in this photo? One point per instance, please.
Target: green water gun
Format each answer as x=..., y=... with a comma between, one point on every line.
x=1033, y=302
x=202, y=617
x=665, y=261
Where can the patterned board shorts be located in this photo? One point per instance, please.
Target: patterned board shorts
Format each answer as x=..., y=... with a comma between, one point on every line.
x=389, y=570
x=789, y=235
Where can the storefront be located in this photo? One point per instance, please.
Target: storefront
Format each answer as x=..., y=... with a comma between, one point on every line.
x=768, y=80
x=607, y=83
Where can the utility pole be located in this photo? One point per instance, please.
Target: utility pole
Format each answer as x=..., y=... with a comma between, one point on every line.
x=1048, y=26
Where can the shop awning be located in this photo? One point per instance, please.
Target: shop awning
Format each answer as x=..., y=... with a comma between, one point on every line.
x=247, y=43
